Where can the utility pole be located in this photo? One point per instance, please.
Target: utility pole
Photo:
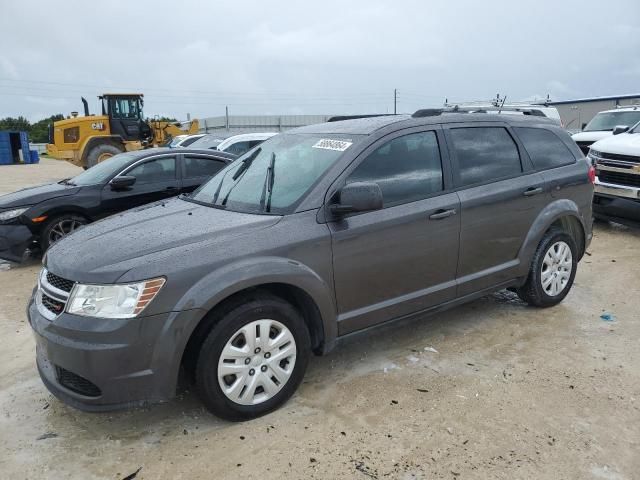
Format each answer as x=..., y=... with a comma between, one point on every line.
x=226, y=117
x=395, y=101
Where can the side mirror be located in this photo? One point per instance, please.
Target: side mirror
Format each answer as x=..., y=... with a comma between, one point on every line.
x=358, y=197
x=618, y=129
x=123, y=182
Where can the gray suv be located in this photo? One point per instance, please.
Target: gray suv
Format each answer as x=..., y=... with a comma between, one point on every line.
x=317, y=233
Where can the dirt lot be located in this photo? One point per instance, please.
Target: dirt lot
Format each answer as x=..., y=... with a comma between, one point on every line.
x=493, y=389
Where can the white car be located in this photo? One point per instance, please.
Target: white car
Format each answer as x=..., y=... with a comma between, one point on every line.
x=187, y=140
x=602, y=125
x=617, y=185
x=241, y=144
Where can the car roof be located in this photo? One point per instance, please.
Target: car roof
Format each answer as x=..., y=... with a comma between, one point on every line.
x=367, y=126
x=160, y=150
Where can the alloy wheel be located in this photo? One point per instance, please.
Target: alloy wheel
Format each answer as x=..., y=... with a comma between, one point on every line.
x=256, y=362
x=556, y=268
x=63, y=228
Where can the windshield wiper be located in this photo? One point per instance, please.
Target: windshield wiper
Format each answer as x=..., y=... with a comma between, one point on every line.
x=246, y=163
x=268, y=185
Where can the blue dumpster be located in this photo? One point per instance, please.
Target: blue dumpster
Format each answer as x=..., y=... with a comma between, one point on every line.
x=11, y=144
x=33, y=156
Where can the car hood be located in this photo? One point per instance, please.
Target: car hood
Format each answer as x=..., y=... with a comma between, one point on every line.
x=622, y=144
x=590, y=136
x=103, y=251
x=33, y=195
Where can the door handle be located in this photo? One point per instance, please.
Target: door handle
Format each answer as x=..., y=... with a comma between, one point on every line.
x=531, y=191
x=171, y=189
x=440, y=214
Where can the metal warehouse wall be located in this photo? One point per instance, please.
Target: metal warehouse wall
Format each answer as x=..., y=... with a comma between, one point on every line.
x=235, y=124
x=576, y=114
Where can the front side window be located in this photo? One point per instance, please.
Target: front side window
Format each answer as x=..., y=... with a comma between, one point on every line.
x=545, y=149
x=201, y=166
x=484, y=154
x=407, y=168
x=274, y=177
x=154, y=171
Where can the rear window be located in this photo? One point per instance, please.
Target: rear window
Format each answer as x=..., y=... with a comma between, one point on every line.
x=484, y=154
x=544, y=147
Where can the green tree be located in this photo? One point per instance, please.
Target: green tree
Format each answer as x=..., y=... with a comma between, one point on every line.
x=19, y=124
x=39, y=132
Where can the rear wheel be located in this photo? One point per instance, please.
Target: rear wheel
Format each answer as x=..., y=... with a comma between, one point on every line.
x=552, y=271
x=59, y=227
x=100, y=153
x=253, y=359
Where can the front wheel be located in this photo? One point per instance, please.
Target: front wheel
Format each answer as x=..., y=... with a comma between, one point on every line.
x=552, y=271
x=59, y=227
x=253, y=359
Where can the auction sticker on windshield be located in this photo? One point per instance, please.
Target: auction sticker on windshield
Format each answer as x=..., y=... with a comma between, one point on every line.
x=328, y=144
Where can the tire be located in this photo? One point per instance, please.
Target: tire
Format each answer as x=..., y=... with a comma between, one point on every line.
x=101, y=152
x=549, y=281
x=58, y=227
x=250, y=378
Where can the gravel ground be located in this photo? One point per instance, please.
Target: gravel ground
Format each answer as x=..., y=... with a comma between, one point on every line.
x=493, y=389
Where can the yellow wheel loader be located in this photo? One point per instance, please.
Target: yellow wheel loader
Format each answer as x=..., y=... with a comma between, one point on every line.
x=86, y=141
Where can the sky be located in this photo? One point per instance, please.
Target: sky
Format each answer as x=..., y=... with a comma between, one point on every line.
x=303, y=57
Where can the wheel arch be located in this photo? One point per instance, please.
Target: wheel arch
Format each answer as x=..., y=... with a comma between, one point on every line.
x=562, y=214
x=286, y=279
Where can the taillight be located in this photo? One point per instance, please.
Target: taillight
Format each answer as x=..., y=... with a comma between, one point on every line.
x=592, y=174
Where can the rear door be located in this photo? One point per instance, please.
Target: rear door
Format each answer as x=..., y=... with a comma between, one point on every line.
x=197, y=169
x=500, y=197
x=157, y=178
x=401, y=259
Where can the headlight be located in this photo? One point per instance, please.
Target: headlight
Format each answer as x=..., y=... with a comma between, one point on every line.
x=113, y=301
x=10, y=214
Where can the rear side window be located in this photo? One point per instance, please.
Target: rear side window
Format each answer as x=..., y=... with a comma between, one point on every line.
x=545, y=148
x=407, y=168
x=240, y=148
x=201, y=166
x=484, y=154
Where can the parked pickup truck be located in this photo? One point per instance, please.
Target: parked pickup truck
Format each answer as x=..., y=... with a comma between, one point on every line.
x=617, y=188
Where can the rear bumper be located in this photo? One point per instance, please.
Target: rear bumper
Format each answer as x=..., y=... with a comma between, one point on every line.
x=96, y=364
x=14, y=241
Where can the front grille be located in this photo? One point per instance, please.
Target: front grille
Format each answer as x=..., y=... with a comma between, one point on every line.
x=59, y=282
x=76, y=383
x=53, y=293
x=51, y=304
x=622, y=158
x=619, y=178
x=584, y=146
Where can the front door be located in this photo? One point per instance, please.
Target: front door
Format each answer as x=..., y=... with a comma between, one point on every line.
x=156, y=179
x=401, y=259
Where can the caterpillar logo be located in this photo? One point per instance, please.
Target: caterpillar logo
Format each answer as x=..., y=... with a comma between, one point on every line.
x=97, y=126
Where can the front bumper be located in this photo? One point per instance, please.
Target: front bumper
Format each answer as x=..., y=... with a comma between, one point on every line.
x=14, y=241
x=619, y=209
x=616, y=202
x=103, y=364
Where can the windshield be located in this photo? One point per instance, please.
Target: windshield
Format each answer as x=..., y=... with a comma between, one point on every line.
x=103, y=170
x=608, y=120
x=273, y=177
